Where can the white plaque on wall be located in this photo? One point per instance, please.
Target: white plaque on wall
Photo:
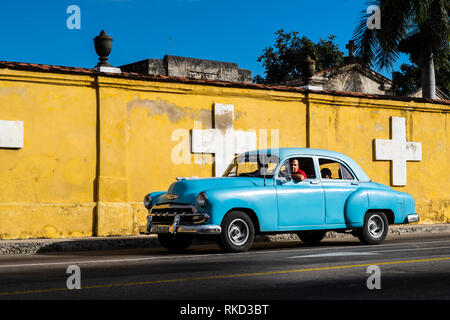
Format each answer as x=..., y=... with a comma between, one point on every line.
x=11, y=134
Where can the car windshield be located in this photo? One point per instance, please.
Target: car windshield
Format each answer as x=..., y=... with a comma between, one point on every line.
x=260, y=165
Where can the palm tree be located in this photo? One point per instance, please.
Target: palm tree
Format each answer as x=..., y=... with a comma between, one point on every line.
x=417, y=27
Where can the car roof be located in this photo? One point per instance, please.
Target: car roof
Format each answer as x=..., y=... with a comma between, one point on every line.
x=283, y=153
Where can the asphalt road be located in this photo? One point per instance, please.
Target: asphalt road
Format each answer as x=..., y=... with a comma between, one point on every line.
x=403, y=267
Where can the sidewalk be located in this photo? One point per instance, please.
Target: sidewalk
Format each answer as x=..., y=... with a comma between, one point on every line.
x=36, y=246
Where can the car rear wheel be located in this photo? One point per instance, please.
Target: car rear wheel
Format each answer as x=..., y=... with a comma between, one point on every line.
x=311, y=236
x=375, y=228
x=238, y=232
x=177, y=242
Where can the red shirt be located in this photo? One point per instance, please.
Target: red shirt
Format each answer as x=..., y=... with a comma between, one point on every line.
x=301, y=172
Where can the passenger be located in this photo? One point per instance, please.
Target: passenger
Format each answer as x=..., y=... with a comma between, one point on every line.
x=326, y=173
x=296, y=173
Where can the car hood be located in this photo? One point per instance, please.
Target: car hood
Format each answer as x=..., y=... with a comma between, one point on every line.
x=186, y=191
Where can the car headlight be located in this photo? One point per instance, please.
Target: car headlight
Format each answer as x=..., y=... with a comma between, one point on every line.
x=202, y=200
x=148, y=201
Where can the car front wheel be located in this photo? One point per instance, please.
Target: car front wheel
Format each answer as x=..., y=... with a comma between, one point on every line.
x=238, y=232
x=375, y=228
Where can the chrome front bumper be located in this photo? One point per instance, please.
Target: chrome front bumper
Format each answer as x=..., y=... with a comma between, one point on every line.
x=176, y=222
x=191, y=229
x=412, y=218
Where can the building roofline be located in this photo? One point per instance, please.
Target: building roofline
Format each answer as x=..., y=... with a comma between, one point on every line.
x=357, y=64
x=438, y=91
x=162, y=78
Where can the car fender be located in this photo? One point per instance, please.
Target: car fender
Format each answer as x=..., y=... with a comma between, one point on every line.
x=355, y=207
x=261, y=200
x=387, y=200
x=155, y=196
x=409, y=206
x=364, y=200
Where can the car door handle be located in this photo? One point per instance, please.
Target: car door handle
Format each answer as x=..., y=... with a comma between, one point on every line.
x=314, y=182
x=354, y=183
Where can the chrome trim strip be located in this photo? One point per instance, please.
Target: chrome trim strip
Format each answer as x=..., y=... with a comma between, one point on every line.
x=196, y=217
x=203, y=229
x=174, y=206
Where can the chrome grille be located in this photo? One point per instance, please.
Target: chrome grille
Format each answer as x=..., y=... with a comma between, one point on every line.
x=165, y=214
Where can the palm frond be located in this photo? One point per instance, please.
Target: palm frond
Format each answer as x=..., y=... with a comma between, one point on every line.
x=380, y=46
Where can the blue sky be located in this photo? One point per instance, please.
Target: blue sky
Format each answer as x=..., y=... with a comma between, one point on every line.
x=230, y=30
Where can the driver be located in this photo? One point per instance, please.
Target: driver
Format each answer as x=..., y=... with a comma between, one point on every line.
x=296, y=173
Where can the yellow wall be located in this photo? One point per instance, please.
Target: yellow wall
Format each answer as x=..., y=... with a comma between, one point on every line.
x=47, y=186
x=95, y=145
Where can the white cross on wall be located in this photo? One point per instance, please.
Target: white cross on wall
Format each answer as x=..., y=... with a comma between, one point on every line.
x=398, y=150
x=223, y=140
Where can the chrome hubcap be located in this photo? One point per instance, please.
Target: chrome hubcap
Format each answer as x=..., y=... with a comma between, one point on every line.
x=238, y=232
x=376, y=226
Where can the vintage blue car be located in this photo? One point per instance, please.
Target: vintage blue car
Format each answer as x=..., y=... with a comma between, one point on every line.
x=259, y=193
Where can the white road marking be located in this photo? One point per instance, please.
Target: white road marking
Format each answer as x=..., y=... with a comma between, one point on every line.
x=357, y=246
x=197, y=256
x=359, y=253
x=414, y=249
x=71, y=262
x=335, y=254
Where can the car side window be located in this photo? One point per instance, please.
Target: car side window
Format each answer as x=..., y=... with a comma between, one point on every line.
x=334, y=170
x=306, y=164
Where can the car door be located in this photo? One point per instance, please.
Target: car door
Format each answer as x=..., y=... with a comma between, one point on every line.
x=300, y=204
x=338, y=187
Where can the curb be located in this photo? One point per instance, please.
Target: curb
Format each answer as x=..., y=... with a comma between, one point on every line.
x=40, y=246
